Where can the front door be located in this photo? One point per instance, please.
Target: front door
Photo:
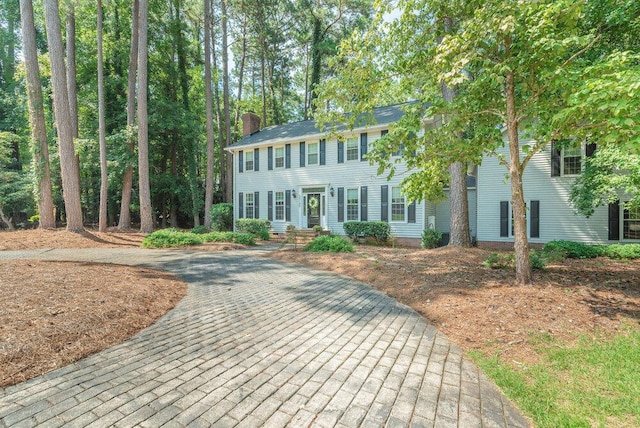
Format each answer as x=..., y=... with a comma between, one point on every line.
x=313, y=209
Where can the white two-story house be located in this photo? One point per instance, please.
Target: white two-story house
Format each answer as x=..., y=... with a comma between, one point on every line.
x=293, y=174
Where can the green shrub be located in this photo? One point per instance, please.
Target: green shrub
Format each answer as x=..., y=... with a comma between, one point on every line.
x=222, y=217
x=623, y=251
x=218, y=237
x=199, y=230
x=574, y=250
x=497, y=260
x=537, y=260
x=244, y=239
x=329, y=244
x=255, y=226
x=167, y=238
x=431, y=238
x=378, y=230
x=317, y=228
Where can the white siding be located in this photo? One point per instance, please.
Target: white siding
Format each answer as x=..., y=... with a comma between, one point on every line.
x=557, y=217
x=349, y=174
x=443, y=214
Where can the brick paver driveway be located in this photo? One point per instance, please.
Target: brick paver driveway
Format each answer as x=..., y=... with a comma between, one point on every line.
x=258, y=342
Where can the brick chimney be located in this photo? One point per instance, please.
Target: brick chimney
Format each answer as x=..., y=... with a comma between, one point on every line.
x=250, y=123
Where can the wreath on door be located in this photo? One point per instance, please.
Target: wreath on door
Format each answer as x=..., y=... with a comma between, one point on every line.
x=313, y=203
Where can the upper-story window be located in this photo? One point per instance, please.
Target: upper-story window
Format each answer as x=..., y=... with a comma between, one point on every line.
x=571, y=160
x=279, y=157
x=248, y=161
x=352, y=149
x=312, y=154
x=397, y=205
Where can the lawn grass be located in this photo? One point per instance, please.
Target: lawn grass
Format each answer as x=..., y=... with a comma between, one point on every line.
x=595, y=383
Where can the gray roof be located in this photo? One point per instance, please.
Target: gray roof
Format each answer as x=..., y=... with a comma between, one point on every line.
x=381, y=116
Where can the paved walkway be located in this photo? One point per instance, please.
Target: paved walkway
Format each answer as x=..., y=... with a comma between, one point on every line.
x=257, y=342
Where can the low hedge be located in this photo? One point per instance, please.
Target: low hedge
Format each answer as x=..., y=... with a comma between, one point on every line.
x=255, y=226
x=171, y=238
x=378, y=230
x=329, y=244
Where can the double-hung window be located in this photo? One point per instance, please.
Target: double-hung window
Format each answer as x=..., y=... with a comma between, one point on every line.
x=279, y=157
x=352, y=149
x=397, y=205
x=631, y=223
x=248, y=205
x=571, y=160
x=279, y=205
x=248, y=160
x=312, y=154
x=353, y=204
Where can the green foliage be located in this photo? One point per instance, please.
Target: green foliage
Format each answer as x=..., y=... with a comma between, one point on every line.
x=431, y=238
x=497, y=260
x=593, y=383
x=222, y=216
x=317, y=228
x=244, y=239
x=610, y=171
x=623, y=251
x=255, y=226
x=378, y=230
x=574, y=250
x=329, y=244
x=199, y=230
x=168, y=238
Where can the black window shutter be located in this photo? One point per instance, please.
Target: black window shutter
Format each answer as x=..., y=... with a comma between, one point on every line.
x=363, y=204
x=411, y=212
x=287, y=156
x=555, y=160
x=256, y=159
x=323, y=152
x=340, y=204
x=340, y=151
x=287, y=205
x=240, y=205
x=256, y=205
x=302, y=153
x=504, y=218
x=384, y=203
x=270, y=158
x=240, y=161
x=270, y=205
x=363, y=145
x=590, y=149
x=614, y=221
x=534, y=231
x=382, y=134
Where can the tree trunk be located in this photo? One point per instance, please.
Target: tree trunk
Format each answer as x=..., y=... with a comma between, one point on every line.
x=228, y=190
x=216, y=98
x=458, y=200
x=316, y=61
x=68, y=165
x=243, y=57
x=146, y=215
x=127, y=180
x=521, y=244
x=36, y=117
x=102, y=222
x=72, y=87
x=5, y=220
x=208, y=197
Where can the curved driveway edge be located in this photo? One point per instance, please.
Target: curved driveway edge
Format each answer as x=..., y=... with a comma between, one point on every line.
x=257, y=342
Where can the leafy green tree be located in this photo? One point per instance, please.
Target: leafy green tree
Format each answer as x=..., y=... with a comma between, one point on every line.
x=611, y=171
x=520, y=69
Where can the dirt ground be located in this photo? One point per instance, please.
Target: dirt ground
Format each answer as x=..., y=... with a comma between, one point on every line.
x=479, y=309
x=53, y=313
